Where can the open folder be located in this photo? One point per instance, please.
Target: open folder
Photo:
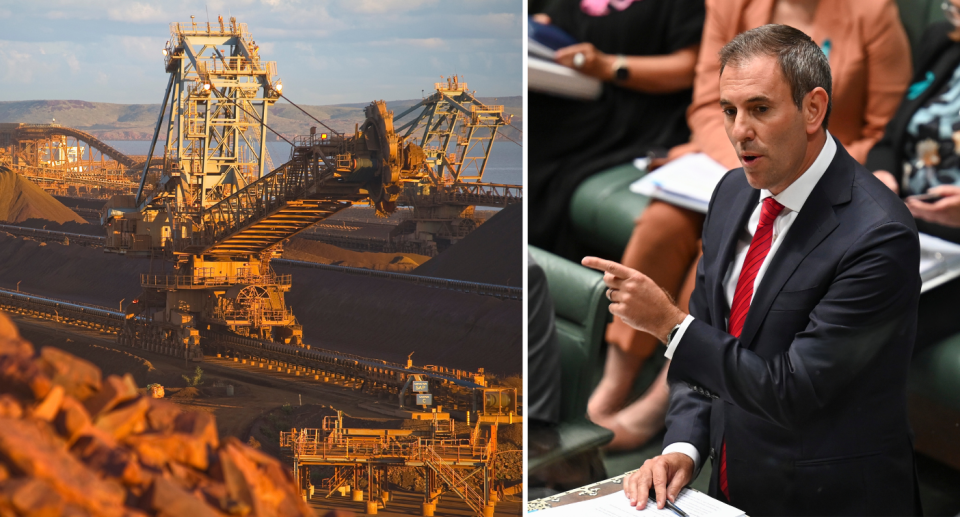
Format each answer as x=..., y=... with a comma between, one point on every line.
x=694, y=503
x=689, y=182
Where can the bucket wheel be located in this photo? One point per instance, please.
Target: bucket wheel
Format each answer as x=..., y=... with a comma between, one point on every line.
x=380, y=136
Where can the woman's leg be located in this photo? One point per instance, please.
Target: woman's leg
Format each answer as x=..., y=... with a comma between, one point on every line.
x=663, y=244
x=643, y=419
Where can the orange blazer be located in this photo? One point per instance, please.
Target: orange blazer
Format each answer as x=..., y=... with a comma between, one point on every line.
x=869, y=59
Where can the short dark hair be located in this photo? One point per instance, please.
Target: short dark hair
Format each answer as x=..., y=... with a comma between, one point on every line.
x=801, y=61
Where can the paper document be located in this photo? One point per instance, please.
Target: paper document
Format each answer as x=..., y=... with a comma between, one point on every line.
x=537, y=49
x=548, y=77
x=692, y=502
x=939, y=261
x=686, y=182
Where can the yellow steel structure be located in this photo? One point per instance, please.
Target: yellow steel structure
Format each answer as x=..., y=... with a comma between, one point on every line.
x=66, y=161
x=463, y=466
x=215, y=216
x=219, y=219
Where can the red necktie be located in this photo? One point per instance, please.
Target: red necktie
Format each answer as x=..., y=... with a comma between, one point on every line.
x=759, y=247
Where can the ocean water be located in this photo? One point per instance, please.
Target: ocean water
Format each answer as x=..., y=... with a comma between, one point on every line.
x=505, y=164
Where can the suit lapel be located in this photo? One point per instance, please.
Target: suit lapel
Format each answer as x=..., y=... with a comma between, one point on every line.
x=817, y=219
x=744, y=205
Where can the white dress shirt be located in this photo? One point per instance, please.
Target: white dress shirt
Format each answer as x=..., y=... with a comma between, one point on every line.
x=792, y=198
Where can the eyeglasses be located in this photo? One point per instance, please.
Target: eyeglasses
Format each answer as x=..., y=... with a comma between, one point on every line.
x=952, y=12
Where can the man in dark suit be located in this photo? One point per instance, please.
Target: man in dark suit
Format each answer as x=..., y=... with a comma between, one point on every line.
x=790, y=371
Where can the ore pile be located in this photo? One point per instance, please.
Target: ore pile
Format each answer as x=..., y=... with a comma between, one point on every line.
x=21, y=200
x=72, y=443
x=491, y=254
x=322, y=253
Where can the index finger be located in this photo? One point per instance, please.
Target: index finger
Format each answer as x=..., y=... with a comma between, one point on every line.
x=608, y=266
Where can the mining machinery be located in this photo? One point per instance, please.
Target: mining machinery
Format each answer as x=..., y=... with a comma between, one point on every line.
x=443, y=202
x=217, y=219
x=66, y=161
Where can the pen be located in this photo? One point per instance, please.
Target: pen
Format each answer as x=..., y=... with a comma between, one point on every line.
x=671, y=506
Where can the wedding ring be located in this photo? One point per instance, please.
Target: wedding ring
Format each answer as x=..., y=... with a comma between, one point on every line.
x=578, y=60
x=609, y=293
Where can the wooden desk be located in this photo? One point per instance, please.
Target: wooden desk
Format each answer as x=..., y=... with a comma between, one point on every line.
x=600, y=488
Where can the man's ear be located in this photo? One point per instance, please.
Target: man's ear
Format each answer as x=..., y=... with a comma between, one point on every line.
x=815, y=109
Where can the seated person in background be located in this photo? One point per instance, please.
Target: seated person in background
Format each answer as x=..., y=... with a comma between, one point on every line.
x=920, y=154
x=543, y=351
x=645, y=52
x=869, y=56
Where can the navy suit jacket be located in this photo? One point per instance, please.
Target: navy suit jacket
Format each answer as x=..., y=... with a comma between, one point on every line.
x=811, y=399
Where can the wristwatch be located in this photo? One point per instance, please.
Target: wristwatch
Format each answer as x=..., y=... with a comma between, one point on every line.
x=620, y=70
x=673, y=333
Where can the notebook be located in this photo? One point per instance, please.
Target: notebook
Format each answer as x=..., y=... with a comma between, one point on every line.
x=693, y=502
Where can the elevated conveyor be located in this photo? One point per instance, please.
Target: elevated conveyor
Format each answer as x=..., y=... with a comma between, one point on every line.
x=45, y=131
x=66, y=161
x=268, y=211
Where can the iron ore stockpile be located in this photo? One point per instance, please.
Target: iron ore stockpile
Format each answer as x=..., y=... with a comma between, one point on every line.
x=492, y=254
x=74, y=443
x=323, y=253
x=72, y=272
x=21, y=200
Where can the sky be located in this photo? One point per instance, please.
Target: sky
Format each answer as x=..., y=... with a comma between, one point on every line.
x=327, y=51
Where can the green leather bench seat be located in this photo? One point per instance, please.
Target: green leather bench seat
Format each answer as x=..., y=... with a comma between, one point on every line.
x=934, y=401
x=602, y=209
x=935, y=373
x=581, y=315
x=916, y=15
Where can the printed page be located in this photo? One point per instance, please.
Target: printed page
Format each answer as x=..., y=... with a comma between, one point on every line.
x=939, y=261
x=548, y=77
x=694, y=503
x=535, y=48
x=688, y=181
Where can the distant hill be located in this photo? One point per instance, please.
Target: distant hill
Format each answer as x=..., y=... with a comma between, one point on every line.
x=136, y=121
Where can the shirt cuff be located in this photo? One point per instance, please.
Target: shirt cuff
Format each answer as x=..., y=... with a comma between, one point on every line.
x=672, y=345
x=688, y=449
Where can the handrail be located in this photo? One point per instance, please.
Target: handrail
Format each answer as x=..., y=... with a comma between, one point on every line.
x=163, y=281
x=454, y=480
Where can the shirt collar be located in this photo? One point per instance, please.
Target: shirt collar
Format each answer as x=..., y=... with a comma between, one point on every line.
x=794, y=196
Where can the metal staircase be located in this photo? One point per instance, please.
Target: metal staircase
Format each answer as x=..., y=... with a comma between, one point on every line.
x=454, y=480
x=338, y=479
x=279, y=205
